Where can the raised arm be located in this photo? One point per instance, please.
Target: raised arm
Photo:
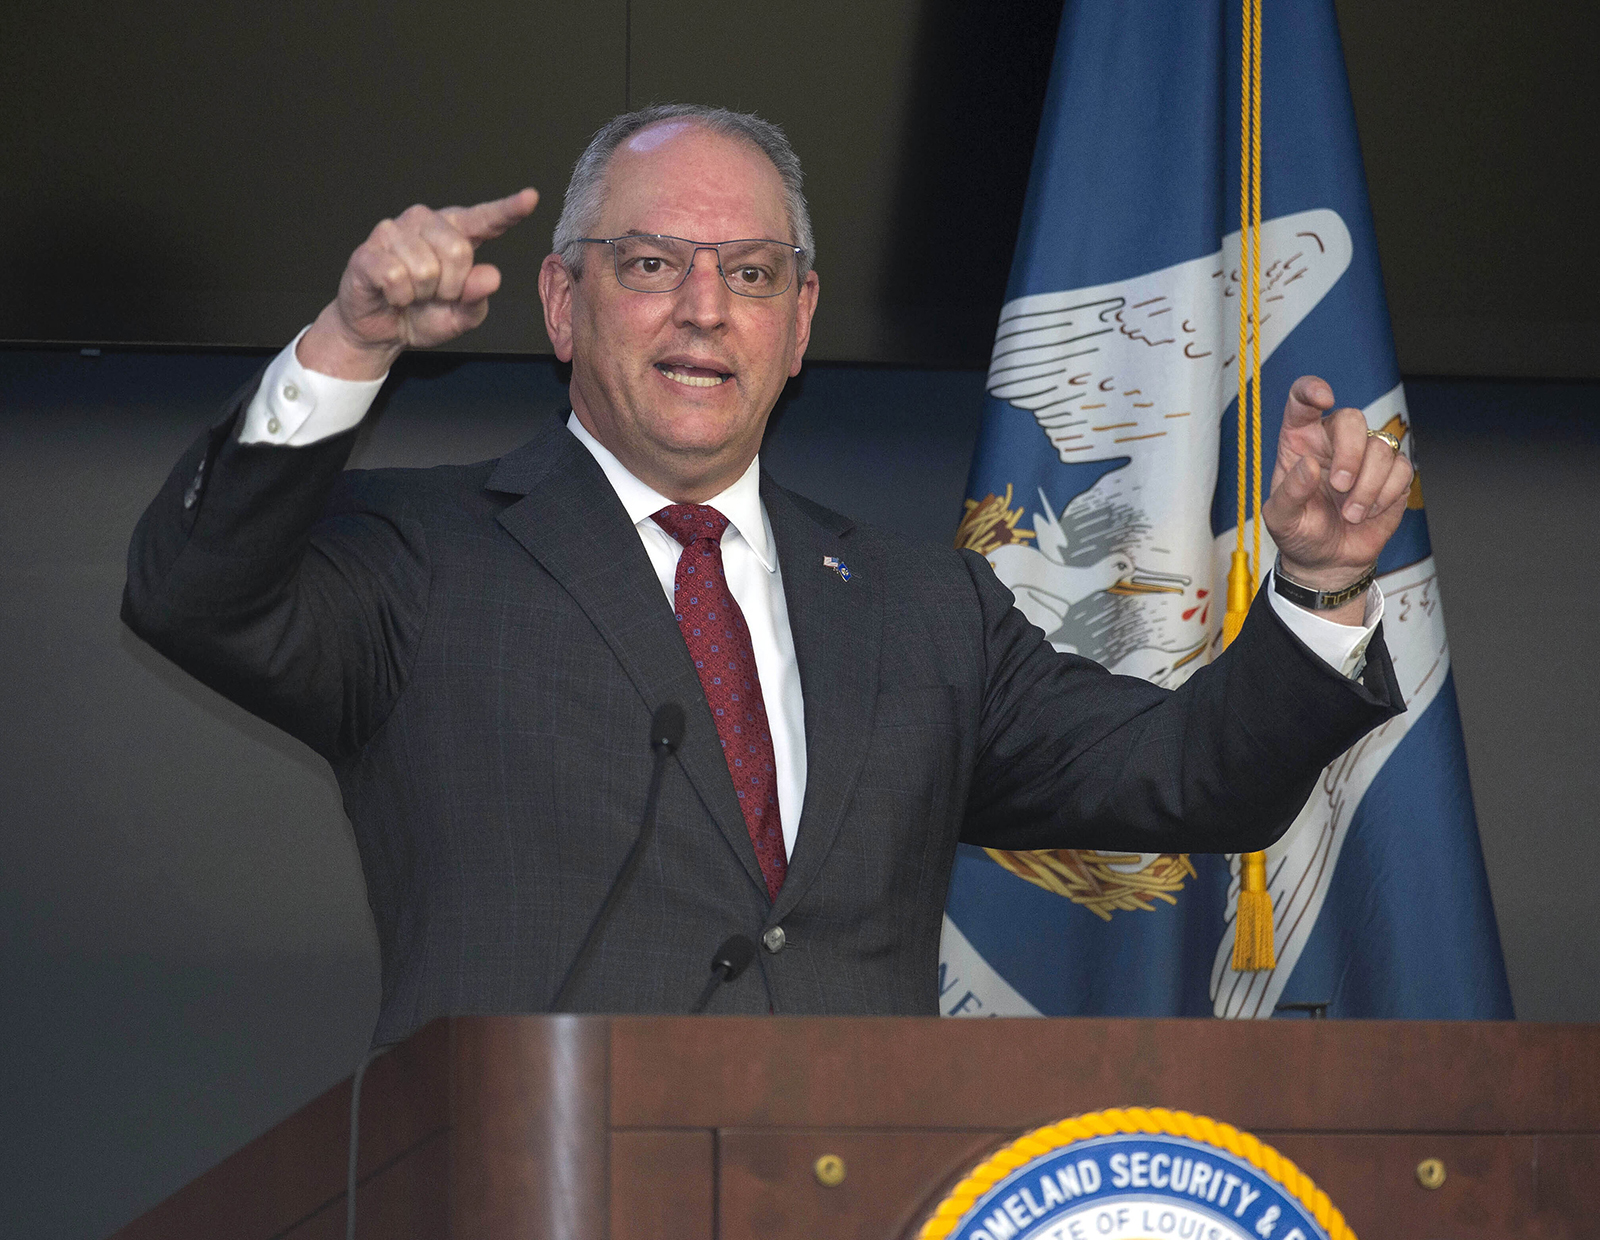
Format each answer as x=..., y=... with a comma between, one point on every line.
x=291, y=587
x=1072, y=756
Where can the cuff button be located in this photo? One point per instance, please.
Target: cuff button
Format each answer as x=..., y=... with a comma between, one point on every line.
x=291, y=393
x=273, y=426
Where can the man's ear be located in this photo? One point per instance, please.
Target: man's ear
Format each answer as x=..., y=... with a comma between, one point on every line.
x=810, y=289
x=555, y=291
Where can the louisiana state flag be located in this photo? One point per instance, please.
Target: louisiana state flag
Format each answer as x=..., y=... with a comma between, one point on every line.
x=1096, y=493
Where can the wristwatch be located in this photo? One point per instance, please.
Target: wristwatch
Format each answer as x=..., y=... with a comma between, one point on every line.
x=1318, y=600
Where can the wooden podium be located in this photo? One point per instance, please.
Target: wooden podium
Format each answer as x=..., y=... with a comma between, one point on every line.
x=692, y=1128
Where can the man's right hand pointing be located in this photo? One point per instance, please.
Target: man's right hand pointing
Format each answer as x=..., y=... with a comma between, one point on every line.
x=411, y=284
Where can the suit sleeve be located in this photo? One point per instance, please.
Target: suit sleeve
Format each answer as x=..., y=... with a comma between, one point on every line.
x=1071, y=756
x=291, y=587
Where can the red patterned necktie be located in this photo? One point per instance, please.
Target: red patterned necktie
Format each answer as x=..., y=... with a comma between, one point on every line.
x=719, y=643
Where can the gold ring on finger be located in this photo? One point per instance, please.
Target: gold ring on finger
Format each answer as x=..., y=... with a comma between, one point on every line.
x=1386, y=437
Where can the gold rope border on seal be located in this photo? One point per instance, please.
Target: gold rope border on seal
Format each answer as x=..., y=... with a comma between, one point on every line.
x=1153, y=1120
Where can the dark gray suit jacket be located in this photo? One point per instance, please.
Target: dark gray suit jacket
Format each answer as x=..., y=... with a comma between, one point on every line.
x=478, y=651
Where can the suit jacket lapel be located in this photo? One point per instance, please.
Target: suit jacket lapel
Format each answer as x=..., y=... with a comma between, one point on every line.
x=838, y=631
x=571, y=521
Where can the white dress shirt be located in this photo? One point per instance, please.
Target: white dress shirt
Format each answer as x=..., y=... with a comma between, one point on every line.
x=750, y=562
x=295, y=406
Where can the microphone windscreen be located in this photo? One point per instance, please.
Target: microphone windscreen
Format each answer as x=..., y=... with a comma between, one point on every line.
x=734, y=956
x=666, y=728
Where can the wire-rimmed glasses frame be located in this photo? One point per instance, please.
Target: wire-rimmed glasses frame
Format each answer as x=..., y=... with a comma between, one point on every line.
x=658, y=263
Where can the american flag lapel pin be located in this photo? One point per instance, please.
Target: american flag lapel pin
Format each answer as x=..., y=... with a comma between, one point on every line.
x=838, y=566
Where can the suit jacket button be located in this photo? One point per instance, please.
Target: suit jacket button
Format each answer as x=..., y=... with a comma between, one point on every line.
x=774, y=939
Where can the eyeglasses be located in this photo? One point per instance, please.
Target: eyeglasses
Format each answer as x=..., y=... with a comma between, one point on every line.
x=651, y=263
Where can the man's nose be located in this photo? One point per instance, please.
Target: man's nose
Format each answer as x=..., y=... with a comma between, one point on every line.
x=703, y=296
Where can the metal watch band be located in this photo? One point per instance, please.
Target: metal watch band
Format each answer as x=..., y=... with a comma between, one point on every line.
x=1317, y=600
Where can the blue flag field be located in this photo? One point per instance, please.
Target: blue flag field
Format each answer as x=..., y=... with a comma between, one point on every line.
x=1097, y=495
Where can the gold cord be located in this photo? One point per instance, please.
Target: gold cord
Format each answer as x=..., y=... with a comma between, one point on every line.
x=1253, y=946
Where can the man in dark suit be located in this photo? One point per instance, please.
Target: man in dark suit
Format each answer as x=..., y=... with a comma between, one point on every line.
x=478, y=651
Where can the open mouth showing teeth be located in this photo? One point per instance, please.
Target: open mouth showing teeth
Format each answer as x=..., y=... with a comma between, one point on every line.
x=693, y=376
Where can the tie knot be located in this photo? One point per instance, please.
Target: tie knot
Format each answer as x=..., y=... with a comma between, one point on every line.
x=690, y=522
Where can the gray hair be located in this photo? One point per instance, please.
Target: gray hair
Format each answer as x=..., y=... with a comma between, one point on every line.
x=586, y=191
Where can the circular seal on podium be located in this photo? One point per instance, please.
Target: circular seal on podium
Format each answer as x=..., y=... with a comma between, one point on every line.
x=1136, y=1174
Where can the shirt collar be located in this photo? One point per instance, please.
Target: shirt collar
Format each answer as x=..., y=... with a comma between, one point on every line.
x=740, y=503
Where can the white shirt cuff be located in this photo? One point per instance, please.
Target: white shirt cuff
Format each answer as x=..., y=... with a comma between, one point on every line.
x=295, y=406
x=1340, y=646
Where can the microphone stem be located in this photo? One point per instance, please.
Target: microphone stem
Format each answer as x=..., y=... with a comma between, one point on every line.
x=620, y=884
x=718, y=976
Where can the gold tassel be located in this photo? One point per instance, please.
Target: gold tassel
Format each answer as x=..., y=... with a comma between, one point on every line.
x=1241, y=589
x=1253, y=948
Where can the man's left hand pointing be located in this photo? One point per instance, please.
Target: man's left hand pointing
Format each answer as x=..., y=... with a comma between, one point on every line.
x=1337, y=494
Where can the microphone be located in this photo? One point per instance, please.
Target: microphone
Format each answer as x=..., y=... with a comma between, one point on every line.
x=666, y=734
x=732, y=959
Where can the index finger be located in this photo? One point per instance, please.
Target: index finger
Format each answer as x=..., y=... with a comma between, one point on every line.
x=488, y=220
x=1309, y=399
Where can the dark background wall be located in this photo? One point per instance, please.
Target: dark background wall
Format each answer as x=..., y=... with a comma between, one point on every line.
x=190, y=174
x=197, y=174
x=185, y=953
